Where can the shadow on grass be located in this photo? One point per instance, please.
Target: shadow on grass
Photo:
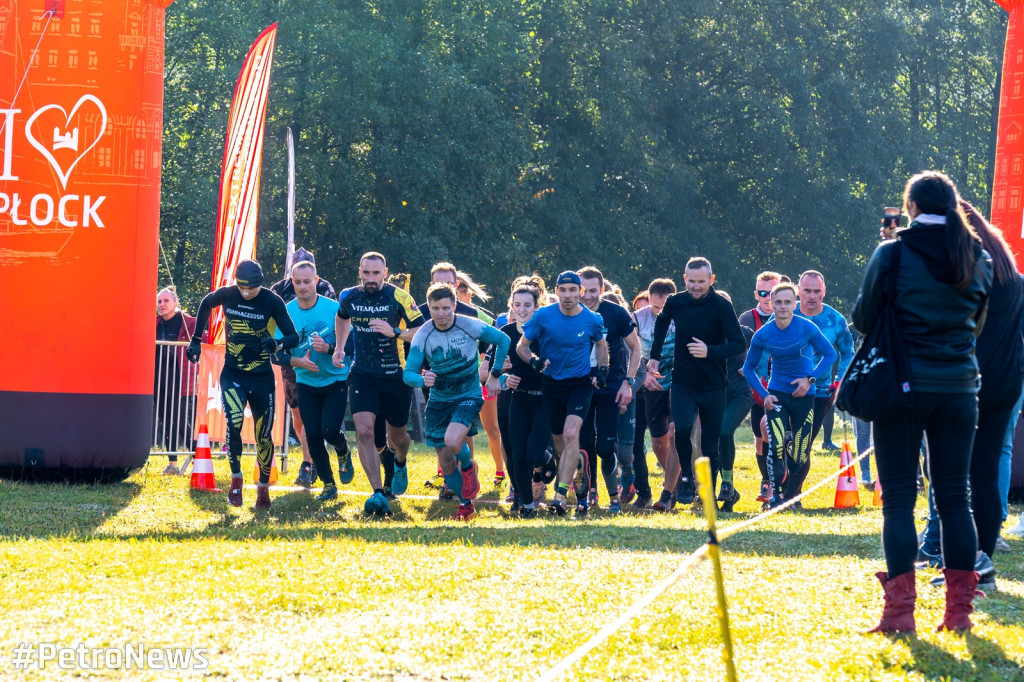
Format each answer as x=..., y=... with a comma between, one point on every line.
x=988, y=661
x=43, y=510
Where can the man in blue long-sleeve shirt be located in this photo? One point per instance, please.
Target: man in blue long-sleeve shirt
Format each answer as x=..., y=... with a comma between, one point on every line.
x=789, y=342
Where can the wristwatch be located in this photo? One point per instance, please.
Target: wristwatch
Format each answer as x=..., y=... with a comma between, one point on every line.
x=496, y=372
x=631, y=380
x=397, y=331
x=812, y=380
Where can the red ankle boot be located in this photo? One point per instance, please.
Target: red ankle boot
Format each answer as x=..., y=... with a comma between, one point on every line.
x=960, y=593
x=900, y=596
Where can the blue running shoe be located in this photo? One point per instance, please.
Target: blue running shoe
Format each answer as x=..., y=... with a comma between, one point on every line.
x=377, y=505
x=582, y=507
x=400, y=483
x=330, y=492
x=614, y=507
x=345, y=471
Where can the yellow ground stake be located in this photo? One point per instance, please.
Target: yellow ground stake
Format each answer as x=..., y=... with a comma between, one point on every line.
x=707, y=494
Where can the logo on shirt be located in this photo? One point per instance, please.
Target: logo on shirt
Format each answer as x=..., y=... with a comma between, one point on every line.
x=581, y=333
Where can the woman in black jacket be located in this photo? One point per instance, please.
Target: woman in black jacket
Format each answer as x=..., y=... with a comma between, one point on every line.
x=941, y=294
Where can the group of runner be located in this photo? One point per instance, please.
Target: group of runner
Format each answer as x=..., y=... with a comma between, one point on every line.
x=569, y=379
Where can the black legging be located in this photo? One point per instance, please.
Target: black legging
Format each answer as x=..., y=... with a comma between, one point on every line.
x=642, y=480
x=995, y=408
x=530, y=435
x=323, y=414
x=794, y=416
x=597, y=436
x=737, y=407
x=259, y=391
x=949, y=420
x=504, y=404
x=686, y=404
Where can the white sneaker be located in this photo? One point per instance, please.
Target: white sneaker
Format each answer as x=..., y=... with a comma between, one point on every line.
x=1018, y=530
x=1001, y=545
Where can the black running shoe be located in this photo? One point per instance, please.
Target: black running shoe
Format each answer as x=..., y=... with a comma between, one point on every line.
x=557, y=508
x=729, y=496
x=305, y=477
x=684, y=491
x=581, y=480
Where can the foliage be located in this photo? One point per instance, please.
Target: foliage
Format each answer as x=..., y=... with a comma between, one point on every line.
x=548, y=134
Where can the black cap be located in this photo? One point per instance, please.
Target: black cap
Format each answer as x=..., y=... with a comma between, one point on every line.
x=249, y=273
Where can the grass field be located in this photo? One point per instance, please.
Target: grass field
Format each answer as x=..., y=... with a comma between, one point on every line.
x=311, y=591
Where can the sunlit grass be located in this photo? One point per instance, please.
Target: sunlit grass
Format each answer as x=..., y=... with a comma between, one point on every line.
x=316, y=590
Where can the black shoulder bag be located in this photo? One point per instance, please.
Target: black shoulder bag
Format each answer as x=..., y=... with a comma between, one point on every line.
x=877, y=381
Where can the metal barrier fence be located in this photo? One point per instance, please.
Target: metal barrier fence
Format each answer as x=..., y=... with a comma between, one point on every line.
x=174, y=407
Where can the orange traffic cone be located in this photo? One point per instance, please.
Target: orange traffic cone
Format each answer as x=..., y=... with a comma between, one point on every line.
x=846, y=486
x=202, y=464
x=273, y=471
x=878, y=493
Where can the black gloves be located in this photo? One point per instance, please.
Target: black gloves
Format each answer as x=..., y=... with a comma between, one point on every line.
x=268, y=344
x=194, y=350
x=602, y=377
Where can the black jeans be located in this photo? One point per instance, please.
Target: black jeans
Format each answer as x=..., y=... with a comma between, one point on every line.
x=686, y=404
x=323, y=414
x=530, y=435
x=949, y=421
x=995, y=407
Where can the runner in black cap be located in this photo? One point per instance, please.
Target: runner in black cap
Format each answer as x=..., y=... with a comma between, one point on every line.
x=566, y=334
x=251, y=315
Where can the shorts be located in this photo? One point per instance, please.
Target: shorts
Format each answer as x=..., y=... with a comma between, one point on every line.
x=564, y=397
x=386, y=397
x=441, y=413
x=291, y=390
x=658, y=407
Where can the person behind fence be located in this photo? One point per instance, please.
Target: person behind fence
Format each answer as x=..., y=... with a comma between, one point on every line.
x=789, y=342
x=453, y=410
x=322, y=386
x=174, y=385
x=251, y=316
x=286, y=290
x=941, y=293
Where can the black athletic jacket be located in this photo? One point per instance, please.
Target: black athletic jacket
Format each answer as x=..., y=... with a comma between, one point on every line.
x=710, y=319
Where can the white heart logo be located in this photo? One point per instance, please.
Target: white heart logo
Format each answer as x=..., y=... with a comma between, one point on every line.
x=65, y=140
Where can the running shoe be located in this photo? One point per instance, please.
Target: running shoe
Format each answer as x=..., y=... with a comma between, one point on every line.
x=641, y=503
x=305, y=478
x=171, y=470
x=582, y=507
x=377, y=505
x=446, y=494
x=728, y=496
x=926, y=559
x=400, y=483
x=528, y=512
x=627, y=495
x=511, y=497
x=516, y=503
x=684, y=491
x=982, y=566
x=550, y=468
x=435, y=483
x=829, y=446
x=388, y=494
x=263, y=496
x=1001, y=545
x=581, y=480
x=345, y=471
x=796, y=506
x=470, y=481
x=1018, y=530
x=330, y=492
x=615, y=507
x=465, y=512
x=557, y=508
x=766, y=492
x=665, y=504
x=592, y=499
x=235, y=492
x=313, y=475
x=499, y=479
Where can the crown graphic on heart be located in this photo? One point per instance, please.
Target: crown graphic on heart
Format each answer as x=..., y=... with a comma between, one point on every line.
x=89, y=102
